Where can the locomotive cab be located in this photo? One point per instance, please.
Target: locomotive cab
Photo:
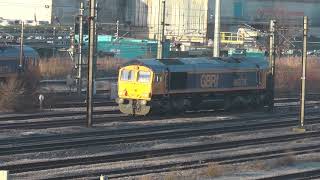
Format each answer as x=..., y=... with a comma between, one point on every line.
x=135, y=89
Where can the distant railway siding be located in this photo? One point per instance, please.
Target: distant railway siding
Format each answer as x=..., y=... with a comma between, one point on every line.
x=37, y=38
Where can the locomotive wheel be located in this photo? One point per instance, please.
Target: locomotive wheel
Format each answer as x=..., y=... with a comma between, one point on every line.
x=134, y=108
x=178, y=106
x=227, y=106
x=195, y=103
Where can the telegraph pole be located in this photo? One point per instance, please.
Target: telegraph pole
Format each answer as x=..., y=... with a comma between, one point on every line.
x=162, y=38
x=117, y=33
x=21, y=47
x=72, y=43
x=80, y=48
x=54, y=42
x=304, y=71
x=272, y=59
x=216, y=42
x=91, y=55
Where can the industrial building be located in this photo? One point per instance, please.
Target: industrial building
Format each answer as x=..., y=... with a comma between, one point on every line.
x=50, y=11
x=258, y=13
x=39, y=10
x=192, y=21
x=186, y=20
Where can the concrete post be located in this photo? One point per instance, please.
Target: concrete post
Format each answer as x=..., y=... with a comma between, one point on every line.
x=91, y=55
x=161, y=38
x=21, y=47
x=216, y=42
x=4, y=175
x=304, y=71
x=301, y=127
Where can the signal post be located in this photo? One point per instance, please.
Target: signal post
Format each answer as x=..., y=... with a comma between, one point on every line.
x=272, y=62
x=91, y=57
x=301, y=127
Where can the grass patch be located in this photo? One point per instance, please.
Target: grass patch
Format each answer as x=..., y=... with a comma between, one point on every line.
x=60, y=68
x=109, y=66
x=171, y=176
x=288, y=71
x=55, y=68
x=288, y=75
x=145, y=177
x=214, y=170
x=288, y=160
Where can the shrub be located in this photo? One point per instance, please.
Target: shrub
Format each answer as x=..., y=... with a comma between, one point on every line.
x=145, y=177
x=108, y=66
x=55, y=68
x=288, y=75
x=19, y=93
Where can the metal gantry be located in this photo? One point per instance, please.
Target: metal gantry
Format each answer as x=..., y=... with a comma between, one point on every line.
x=80, y=48
x=272, y=62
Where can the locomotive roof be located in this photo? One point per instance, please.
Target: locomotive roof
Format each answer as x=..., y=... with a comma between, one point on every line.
x=13, y=51
x=202, y=64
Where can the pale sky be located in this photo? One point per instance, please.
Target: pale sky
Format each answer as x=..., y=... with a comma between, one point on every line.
x=26, y=9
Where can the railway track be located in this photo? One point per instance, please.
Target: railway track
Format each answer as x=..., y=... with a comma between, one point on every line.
x=200, y=148
x=113, y=103
x=83, y=104
x=168, y=167
x=76, y=113
x=153, y=134
x=303, y=175
x=131, y=135
x=53, y=114
x=21, y=123
x=69, y=104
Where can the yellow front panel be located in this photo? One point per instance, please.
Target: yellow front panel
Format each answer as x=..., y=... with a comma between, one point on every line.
x=137, y=86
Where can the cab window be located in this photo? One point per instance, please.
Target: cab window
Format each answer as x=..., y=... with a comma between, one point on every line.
x=144, y=76
x=127, y=75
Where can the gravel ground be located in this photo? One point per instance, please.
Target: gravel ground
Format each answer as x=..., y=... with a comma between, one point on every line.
x=238, y=171
x=102, y=150
x=252, y=169
x=241, y=171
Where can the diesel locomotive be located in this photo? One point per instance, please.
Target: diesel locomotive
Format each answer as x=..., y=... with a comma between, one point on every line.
x=10, y=60
x=177, y=85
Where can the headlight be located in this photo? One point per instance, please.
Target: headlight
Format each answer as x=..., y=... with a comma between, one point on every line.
x=120, y=101
x=146, y=95
x=143, y=102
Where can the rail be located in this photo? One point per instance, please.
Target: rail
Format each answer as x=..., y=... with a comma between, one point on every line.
x=64, y=81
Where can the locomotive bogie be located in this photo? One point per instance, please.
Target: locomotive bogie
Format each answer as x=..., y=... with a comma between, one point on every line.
x=135, y=107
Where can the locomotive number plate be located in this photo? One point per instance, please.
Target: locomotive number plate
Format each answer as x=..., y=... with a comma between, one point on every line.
x=209, y=80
